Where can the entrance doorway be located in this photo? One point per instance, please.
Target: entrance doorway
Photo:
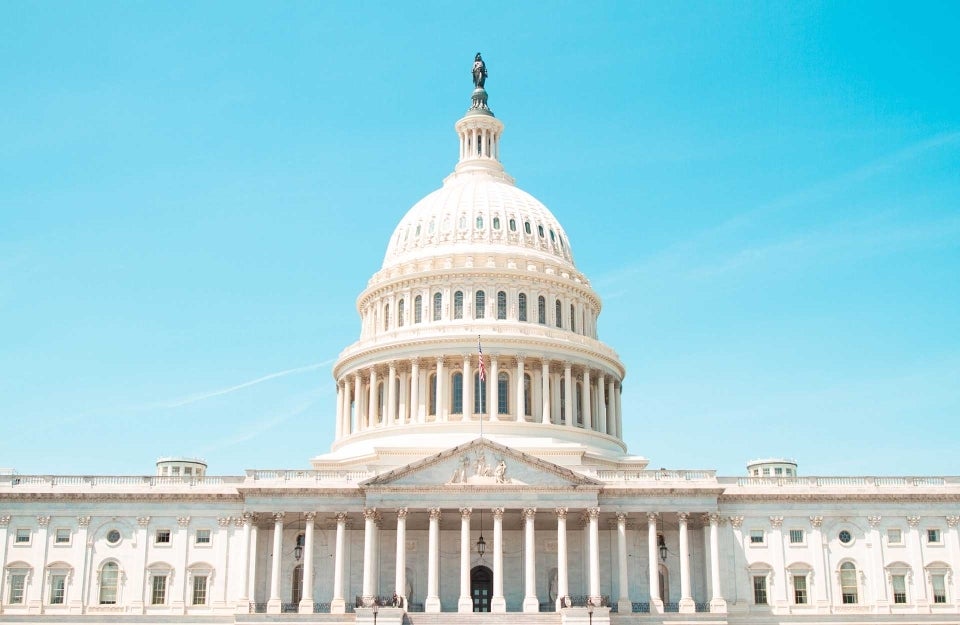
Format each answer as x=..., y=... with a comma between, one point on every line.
x=481, y=588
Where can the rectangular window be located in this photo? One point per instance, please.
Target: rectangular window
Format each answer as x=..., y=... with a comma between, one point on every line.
x=760, y=589
x=800, y=589
x=933, y=536
x=457, y=399
x=894, y=536
x=899, y=588
x=756, y=537
x=199, y=590
x=203, y=537
x=766, y=471
x=174, y=470
x=778, y=471
x=58, y=584
x=503, y=395
x=162, y=537
x=17, y=582
x=158, y=594
x=939, y=588
x=62, y=537
x=188, y=470
x=23, y=536
x=796, y=537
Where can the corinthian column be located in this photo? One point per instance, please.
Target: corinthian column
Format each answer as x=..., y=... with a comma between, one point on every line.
x=416, y=415
x=432, y=603
x=570, y=414
x=594, y=516
x=498, y=603
x=274, y=604
x=717, y=602
x=372, y=398
x=391, y=381
x=306, y=596
x=530, y=601
x=624, y=606
x=441, y=399
x=520, y=403
x=601, y=405
x=357, y=382
x=493, y=389
x=337, y=604
x=563, y=584
x=686, y=599
x=656, y=604
x=467, y=391
x=400, y=585
x=465, y=603
x=369, y=530
x=587, y=412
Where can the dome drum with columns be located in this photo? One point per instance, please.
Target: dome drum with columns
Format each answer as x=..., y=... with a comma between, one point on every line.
x=479, y=261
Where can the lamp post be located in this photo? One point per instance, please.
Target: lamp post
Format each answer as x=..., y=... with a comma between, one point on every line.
x=590, y=609
x=376, y=608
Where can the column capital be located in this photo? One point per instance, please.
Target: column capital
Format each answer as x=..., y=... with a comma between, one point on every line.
x=310, y=516
x=370, y=514
x=953, y=520
x=561, y=512
x=497, y=513
x=143, y=521
x=520, y=358
x=82, y=521
x=415, y=363
x=402, y=513
x=622, y=518
x=682, y=517
x=712, y=518
x=278, y=517
x=652, y=517
x=528, y=514
x=341, y=518
x=593, y=513
x=434, y=514
x=737, y=521
x=913, y=521
x=465, y=513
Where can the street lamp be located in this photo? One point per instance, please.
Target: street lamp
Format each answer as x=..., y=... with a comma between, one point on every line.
x=376, y=608
x=662, y=546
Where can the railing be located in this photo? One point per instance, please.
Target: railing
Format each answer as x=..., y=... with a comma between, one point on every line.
x=585, y=601
x=380, y=602
x=321, y=608
x=642, y=607
x=289, y=608
x=671, y=607
x=308, y=475
x=94, y=481
x=881, y=482
x=702, y=607
x=258, y=608
x=655, y=475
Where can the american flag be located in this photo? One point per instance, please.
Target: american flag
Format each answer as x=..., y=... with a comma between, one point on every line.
x=483, y=370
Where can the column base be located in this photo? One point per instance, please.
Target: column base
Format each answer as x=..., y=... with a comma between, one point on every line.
x=464, y=605
x=338, y=606
x=432, y=604
x=718, y=606
x=498, y=604
x=687, y=606
x=624, y=606
x=531, y=604
x=274, y=606
x=656, y=606
x=305, y=607
x=242, y=607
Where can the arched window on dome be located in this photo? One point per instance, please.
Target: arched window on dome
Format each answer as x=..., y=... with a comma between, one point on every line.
x=503, y=393
x=479, y=394
x=479, y=305
x=527, y=395
x=417, y=233
x=553, y=237
x=418, y=309
x=563, y=400
x=559, y=312
x=573, y=319
x=540, y=230
x=386, y=316
x=579, y=404
x=400, y=313
x=432, y=396
x=496, y=223
x=381, y=412
x=458, y=305
x=513, y=225
x=526, y=227
x=542, y=310
x=456, y=406
x=522, y=306
x=437, y=306
x=479, y=222
x=501, y=305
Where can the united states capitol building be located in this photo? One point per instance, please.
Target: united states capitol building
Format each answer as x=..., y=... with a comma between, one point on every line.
x=462, y=482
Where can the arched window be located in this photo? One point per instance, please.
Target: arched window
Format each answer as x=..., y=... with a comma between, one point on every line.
x=386, y=316
x=540, y=231
x=458, y=305
x=541, y=310
x=109, y=576
x=577, y=408
x=479, y=222
x=437, y=306
x=432, y=399
x=457, y=403
x=479, y=394
x=503, y=393
x=418, y=309
x=479, y=305
x=526, y=227
x=848, y=582
x=501, y=305
x=496, y=223
x=513, y=225
x=527, y=395
x=573, y=319
x=400, y=312
x=522, y=306
x=381, y=413
x=559, y=311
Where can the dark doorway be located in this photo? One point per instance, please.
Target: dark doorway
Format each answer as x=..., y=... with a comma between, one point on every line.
x=481, y=588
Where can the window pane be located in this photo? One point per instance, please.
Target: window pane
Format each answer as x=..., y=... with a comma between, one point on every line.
x=800, y=589
x=479, y=394
x=457, y=407
x=501, y=305
x=417, y=306
x=899, y=588
x=796, y=536
x=760, y=589
x=479, y=305
x=200, y=590
x=939, y=589
x=848, y=582
x=458, y=305
x=159, y=594
x=437, y=306
x=541, y=310
x=57, y=587
x=17, y=583
x=400, y=312
x=559, y=314
x=503, y=394
x=108, y=583
x=522, y=306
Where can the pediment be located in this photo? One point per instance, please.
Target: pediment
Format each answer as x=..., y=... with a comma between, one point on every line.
x=481, y=462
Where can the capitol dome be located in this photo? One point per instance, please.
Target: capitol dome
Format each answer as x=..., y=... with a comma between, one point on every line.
x=478, y=264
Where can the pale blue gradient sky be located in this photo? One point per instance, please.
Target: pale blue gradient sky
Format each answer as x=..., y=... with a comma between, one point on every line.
x=766, y=195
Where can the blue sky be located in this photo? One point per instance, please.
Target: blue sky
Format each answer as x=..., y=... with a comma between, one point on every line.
x=765, y=195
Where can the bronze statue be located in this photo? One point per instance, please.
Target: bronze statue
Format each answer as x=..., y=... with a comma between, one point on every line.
x=479, y=71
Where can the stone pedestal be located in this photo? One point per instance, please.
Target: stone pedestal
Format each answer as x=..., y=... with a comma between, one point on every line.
x=585, y=616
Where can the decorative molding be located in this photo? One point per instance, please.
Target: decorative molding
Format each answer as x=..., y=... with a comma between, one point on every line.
x=224, y=521
x=143, y=521
x=42, y=521
x=953, y=520
x=913, y=521
x=561, y=512
x=776, y=522
x=816, y=521
x=402, y=513
x=4, y=520
x=874, y=520
x=736, y=522
x=183, y=521
x=83, y=521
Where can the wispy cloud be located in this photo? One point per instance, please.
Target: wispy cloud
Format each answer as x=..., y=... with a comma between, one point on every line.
x=192, y=399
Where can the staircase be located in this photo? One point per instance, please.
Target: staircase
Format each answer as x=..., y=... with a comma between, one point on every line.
x=482, y=618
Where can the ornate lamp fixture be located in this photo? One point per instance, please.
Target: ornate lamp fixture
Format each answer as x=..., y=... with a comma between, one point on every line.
x=298, y=549
x=481, y=543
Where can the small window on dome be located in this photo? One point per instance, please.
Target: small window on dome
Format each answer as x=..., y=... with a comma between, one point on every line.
x=446, y=223
x=463, y=222
x=430, y=228
x=406, y=235
x=496, y=223
x=513, y=225
x=540, y=231
x=553, y=237
x=479, y=222
x=560, y=241
x=526, y=227
x=417, y=233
